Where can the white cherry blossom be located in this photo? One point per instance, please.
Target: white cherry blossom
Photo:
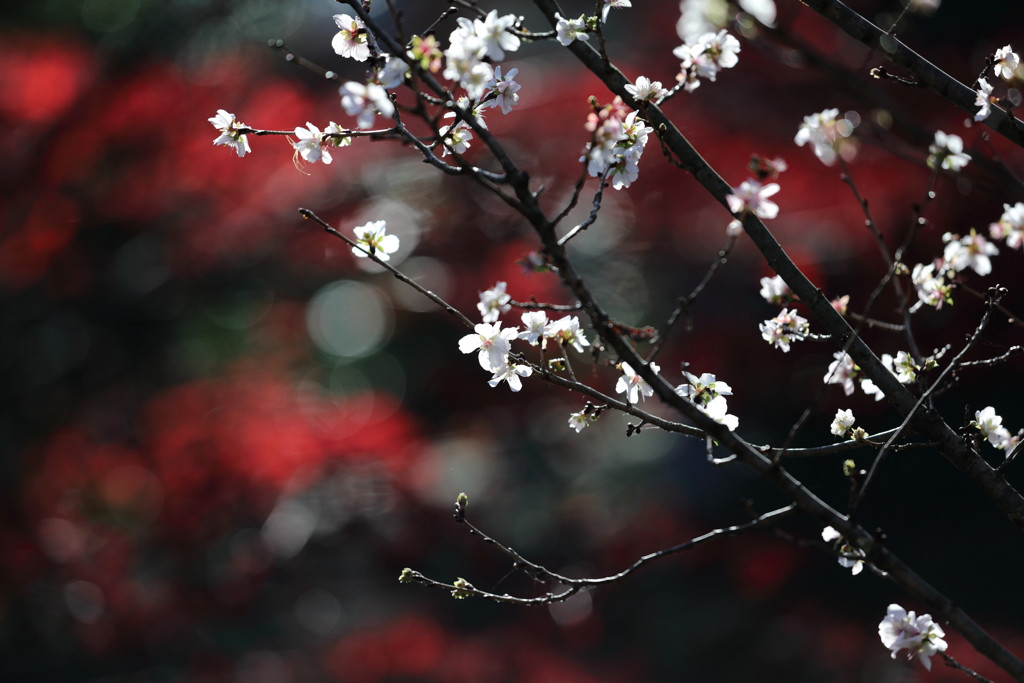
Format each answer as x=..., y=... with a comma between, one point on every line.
x=774, y=290
x=842, y=423
x=394, y=72
x=948, y=152
x=842, y=371
x=335, y=135
x=351, y=40
x=493, y=32
x=983, y=100
x=618, y=4
x=970, y=251
x=494, y=302
x=504, y=91
x=511, y=373
x=632, y=384
x=491, y=342
x=991, y=427
x=1010, y=226
x=702, y=389
x=309, y=144
x=567, y=331
x=456, y=138
x=826, y=132
x=569, y=30
x=646, y=90
x=752, y=196
x=932, y=289
x=373, y=238
x=364, y=101
x=920, y=636
x=717, y=410
x=784, y=329
x=229, y=136
x=534, y=323
x=1007, y=62
x=580, y=421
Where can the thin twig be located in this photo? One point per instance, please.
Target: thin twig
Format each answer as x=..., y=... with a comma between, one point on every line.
x=290, y=56
x=952, y=663
x=593, y=212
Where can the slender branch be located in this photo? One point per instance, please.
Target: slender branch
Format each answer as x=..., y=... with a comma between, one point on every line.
x=575, y=585
x=1010, y=315
x=306, y=213
x=534, y=305
x=989, y=362
x=290, y=56
x=871, y=323
x=444, y=15
x=575, y=193
x=593, y=212
x=952, y=663
x=683, y=303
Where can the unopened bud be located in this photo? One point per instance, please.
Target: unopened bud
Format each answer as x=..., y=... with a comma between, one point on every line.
x=463, y=589
x=848, y=467
x=407, y=576
x=734, y=229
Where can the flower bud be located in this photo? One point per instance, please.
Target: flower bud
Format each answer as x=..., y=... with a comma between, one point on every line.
x=734, y=229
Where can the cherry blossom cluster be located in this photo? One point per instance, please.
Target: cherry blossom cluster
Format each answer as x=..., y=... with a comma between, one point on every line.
x=619, y=138
x=918, y=635
x=990, y=426
x=1004, y=63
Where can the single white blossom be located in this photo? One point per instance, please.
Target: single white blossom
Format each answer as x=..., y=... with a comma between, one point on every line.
x=646, y=90
x=948, y=152
x=608, y=4
x=1010, y=226
x=464, y=103
x=842, y=423
x=762, y=10
x=580, y=421
x=905, y=367
x=842, y=371
x=703, y=389
x=394, y=72
x=784, y=329
x=826, y=133
x=828, y=534
x=351, y=40
x=869, y=387
x=364, y=101
x=229, y=136
x=632, y=384
x=717, y=410
x=456, y=138
x=492, y=342
x=372, y=238
x=493, y=32
x=569, y=30
x=774, y=290
x=970, y=251
x=983, y=100
x=567, y=331
x=991, y=427
x=932, y=289
x=511, y=373
x=919, y=636
x=1006, y=62
x=752, y=196
x=703, y=16
x=494, y=302
x=534, y=323
x=503, y=91
x=310, y=145
x=850, y=557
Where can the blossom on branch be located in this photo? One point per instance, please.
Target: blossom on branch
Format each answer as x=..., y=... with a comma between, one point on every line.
x=567, y=331
x=455, y=137
x=842, y=371
x=352, y=40
x=310, y=144
x=492, y=342
x=494, y=35
x=229, y=136
x=365, y=101
x=751, y=196
x=842, y=423
x=569, y=30
x=394, y=72
x=932, y=289
x=971, y=251
x=647, y=90
x=947, y=152
x=1006, y=62
x=502, y=91
x=774, y=290
x=494, y=302
x=1010, y=226
x=991, y=427
x=827, y=135
x=632, y=384
x=511, y=373
x=983, y=99
x=373, y=239
x=608, y=4
x=534, y=324
x=919, y=636
x=580, y=421
x=785, y=328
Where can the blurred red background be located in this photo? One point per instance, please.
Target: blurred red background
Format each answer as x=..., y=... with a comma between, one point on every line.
x=223, y=437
